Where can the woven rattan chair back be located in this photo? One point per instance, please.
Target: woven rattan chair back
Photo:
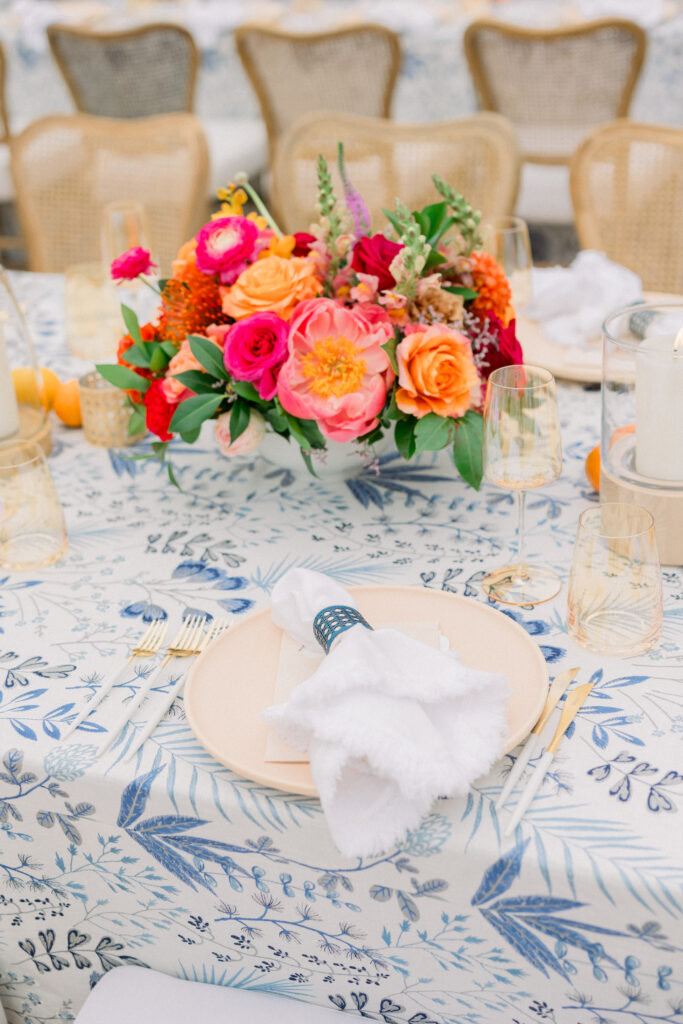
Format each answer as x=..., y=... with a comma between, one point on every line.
x=385, y=160
x=627, y=184
x=352, y=70
x=67, y=168
x=557, y=85
x=147, y=70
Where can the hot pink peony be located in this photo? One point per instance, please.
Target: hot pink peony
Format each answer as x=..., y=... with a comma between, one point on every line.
x=337, y=373
x=131, y=264
x=224, y=247
x=255, y=348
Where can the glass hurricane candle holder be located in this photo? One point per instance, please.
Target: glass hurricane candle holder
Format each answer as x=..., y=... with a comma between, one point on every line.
x=641, y=450
x=23, y=412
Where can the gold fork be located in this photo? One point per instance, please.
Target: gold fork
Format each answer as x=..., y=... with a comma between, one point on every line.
x=148, y=644
x=179, y=647
x=216, y=629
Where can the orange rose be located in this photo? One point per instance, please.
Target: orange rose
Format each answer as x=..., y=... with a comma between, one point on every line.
x=436, y=372
x=274, y=285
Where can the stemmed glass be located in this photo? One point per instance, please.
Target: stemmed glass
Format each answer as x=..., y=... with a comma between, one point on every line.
x=507, y=239
x=522, y=449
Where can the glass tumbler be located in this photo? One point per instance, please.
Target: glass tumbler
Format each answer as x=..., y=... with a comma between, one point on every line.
x=32, y=527
x=507, y=239
x=615, y=584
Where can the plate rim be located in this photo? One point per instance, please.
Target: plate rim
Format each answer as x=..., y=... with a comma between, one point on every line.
x=309, y=790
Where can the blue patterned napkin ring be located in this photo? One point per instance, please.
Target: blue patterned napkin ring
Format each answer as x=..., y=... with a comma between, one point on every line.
x=334, y=620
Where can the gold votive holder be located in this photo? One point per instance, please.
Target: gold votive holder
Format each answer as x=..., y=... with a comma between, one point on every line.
x=105, y=413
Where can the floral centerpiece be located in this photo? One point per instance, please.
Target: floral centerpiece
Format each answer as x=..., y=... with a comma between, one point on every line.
x=336, y=334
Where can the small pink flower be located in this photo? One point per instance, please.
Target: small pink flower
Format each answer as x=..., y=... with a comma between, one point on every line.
x=255, y=348
x=225, y=246
x=248, y=440
x=337, y=372
x=131, y=264
x=366, y=289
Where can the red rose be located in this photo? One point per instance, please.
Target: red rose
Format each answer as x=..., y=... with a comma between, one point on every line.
x=159, y=411
x=303, y=243
x=496, y=346
x=374, y=256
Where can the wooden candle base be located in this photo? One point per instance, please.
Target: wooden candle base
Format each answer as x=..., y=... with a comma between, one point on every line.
x=665, y=506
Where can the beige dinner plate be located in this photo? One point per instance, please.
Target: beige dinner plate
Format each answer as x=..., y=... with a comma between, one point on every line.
x=583, y=365
x=233, y=680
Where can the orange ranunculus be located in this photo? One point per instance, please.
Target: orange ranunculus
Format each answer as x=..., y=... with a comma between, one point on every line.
x=493, y=287
x=274, y=285
x=436, y=372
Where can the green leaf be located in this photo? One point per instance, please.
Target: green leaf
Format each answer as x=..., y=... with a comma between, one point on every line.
x=432, y=433
x=136, y=423
x=467, y=293
x=392, y=411
x=404, y=436
x=390, y=349
x=469, y=433
x=195, y=380
x=159, y=360
x=312, y=433
x=394, y=221
x=172, y=476
x=169, y=348
x=245, y=389
x=209, y=355
x=306, y=456
x=122, y=377
x=434, y=260
x=159, y=449
x=190, y=436
x=138, y=356
x=239, y=419
x=277, y=418
x=132, y=326
x=193, y=411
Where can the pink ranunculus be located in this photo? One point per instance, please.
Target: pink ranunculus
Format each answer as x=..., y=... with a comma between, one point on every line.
x=225, y=246
x=337, y=372
x=255, y=348
x=131, y=264
x=248, y=440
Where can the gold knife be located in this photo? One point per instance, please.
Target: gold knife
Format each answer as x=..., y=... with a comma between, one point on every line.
x=571, y=708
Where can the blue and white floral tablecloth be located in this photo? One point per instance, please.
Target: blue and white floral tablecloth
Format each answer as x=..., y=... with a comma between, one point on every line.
x=174, y=861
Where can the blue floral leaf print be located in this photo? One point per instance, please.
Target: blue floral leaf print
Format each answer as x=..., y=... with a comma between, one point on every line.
x=657, y=801
x=231, y=583
x=407, y=905
x=173, y=862
x=199, y=571
x=45, y=819
x=381, y=893
x=430, y=887
x=134, y=798
x=535, y=904
x=13, y=761
x=24, y=730
x=521, y=939
x=622, y=789
x=338, y=1001
x=552, y=654
x=149, y=612
x=600, y=736
x=167, y=824
x=500, y=876
x=236, y=605
x=663, y=974
x=131, y=611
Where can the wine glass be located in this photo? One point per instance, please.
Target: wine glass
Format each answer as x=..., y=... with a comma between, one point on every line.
x=507, y=239
x=522, y=449
x=124, y=225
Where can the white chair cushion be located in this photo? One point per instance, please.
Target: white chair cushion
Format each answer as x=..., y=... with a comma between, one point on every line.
x=136, y=995
x=544, y=196
x=234, y=145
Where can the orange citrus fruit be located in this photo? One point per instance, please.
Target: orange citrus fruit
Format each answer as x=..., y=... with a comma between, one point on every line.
x=592, y=468
x=67, y=403
x=27, y=391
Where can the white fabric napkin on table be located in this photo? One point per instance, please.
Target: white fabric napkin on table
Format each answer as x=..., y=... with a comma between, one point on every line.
x=389, y=723
x=571, y=303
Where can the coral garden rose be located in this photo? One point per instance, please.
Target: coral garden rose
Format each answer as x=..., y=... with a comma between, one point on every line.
x=271, y=285
x=131, y=264
x=183, y=360
x=337, y=372
x=436, y=372
x=248, y=440
x=224, y=247
x=373, y=256
x=255, y=348
x=158, y=410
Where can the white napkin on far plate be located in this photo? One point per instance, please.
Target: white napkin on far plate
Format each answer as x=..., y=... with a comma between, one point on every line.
x=571, y=303
x=389, y=724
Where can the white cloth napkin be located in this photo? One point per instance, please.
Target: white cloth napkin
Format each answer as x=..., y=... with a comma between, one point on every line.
x=389, y=724
x=571, y=303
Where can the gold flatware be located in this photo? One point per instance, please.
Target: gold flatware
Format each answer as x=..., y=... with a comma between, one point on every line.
x=149, y=644
x=573, y=704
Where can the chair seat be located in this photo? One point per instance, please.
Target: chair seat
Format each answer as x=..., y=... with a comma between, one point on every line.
x=234, y=145
x=138, y=995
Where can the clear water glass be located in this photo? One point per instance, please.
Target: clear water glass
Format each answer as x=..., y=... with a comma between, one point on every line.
x=32, y=527
x=507, y=239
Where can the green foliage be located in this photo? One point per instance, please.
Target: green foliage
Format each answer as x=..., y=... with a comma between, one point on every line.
x=195, y=380
x=193, y=411
x=209, y=355
x=466, y=219
x=132, y=326
x=122, y=377
x=331, y=219
x=390, y=349
x=404, y=436
x=239, y=418
x=467, y=446
x=432, y=433
x=245, y=389
x=415, y=248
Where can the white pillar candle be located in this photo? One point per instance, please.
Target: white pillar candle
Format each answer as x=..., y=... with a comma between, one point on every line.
x=9, y=411
x=659, y=408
